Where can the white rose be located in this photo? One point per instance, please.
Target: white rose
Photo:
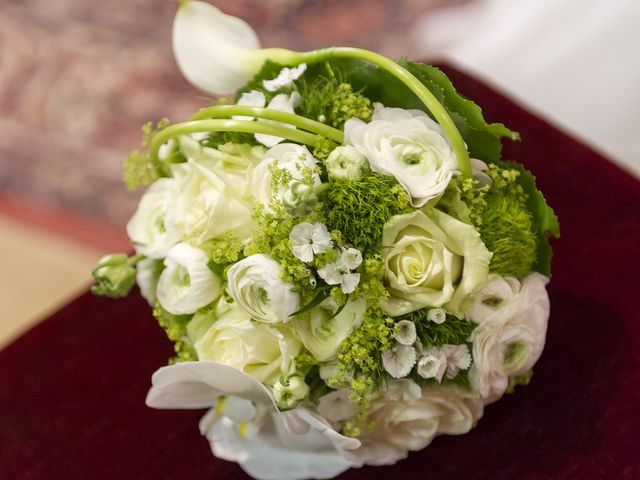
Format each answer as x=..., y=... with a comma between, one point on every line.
x=212, y=196
x=256, y=285
x=433, y=260
x=407, y=145
x=322, y=334
x=405, y=421
x=286, y=156
x=151, y=228
x=187, y=283
x=258, y=349
x=511, y=333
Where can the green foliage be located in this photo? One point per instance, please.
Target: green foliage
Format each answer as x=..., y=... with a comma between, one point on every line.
x=175, y=327
x=323, y=148
x=215, y=139
x=224, y=251
x=138, y=170
x=332, y=101
x=360, y=359
x=360, y=208
x=454, y=331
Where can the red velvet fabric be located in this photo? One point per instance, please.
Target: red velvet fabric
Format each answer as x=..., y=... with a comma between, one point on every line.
x=72, y=389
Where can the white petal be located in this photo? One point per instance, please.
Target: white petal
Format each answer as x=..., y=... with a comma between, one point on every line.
x=285, y=78
x=406, y=332
x=283, y=103
x=399, y=361
x=350, y=282
x=191, y=385
x=254, y=98
x=216, y=52
x=330, y=274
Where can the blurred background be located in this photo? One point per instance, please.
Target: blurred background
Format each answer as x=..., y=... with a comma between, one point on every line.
x=78, y=78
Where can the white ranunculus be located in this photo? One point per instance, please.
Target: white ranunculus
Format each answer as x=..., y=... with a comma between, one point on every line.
x=212, y=191
x=272, y=446
x=258, y=349
x=147, y=275
x=322, y=335
x=511, y=334
x=151, y=227
x=433, y=260
x=409, y=422
x=286, y=156
x=256, y=285
x=187, y=283
x=407, y=145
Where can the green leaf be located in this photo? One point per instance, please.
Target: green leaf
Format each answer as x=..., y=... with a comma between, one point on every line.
x=322, y=295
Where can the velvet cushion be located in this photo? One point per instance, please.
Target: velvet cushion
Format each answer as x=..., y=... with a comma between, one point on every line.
x=72, y=389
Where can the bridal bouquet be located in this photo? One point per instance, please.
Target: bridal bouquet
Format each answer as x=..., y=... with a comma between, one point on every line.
x=344, y=263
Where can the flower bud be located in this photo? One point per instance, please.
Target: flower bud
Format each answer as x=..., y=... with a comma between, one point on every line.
x=300, y=199
x=405, y=332
x=346, y=163
x=289, y=391
x=437, y=315
x=115, y=275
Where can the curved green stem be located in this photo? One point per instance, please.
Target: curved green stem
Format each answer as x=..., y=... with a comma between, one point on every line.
x=430, y=101
x=225, y=126
x=304, y=123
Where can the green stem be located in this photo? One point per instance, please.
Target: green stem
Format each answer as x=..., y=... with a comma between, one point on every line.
x=225, y=126
x=304, y=123
x=430, y=101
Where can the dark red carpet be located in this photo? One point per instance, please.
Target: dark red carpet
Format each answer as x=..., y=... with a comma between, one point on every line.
x=72, y=390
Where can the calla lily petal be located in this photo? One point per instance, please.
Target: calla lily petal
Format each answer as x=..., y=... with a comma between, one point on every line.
x=215, y=51
x=193, y=385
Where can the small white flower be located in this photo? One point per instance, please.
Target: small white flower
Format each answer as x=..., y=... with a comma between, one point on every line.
x=399, y=360
x=283, y=103
x=285, y=78
x=339, y=273
x=309, y=239
x=254, y=98
x=458, y=358
x=437, y=315
x=187, y=283
x=256, y=285
x=433, y=364
x=405, y=332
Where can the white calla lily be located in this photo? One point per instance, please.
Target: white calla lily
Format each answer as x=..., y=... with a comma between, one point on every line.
x=218, y=53
x=273, y=445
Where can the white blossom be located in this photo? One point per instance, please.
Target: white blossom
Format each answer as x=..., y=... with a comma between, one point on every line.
x=309, y=239
x=405, y=332
x=399, y=360
x=458, y=358
x=433, y=364
x=437, y=315
x=285, y=78
x=340, y=272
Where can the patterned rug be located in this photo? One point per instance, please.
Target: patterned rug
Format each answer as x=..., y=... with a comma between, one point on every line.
x=78, y=78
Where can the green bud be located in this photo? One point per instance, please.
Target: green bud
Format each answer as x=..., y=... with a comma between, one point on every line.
x=289, y=391
x=300, y=199
x=114, y=275
x=346, y=163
